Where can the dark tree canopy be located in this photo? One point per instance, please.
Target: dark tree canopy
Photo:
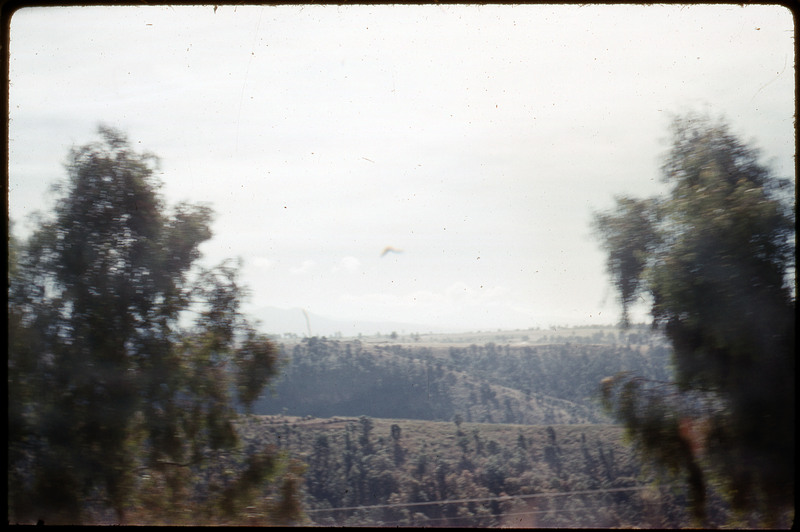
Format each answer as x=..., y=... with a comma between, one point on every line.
x=716, y=257
x=110, y=391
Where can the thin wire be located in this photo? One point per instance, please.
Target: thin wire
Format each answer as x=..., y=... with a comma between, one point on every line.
x=493, y=516
x=483, y=499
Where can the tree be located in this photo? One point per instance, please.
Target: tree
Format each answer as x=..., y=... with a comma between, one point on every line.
x=716, y=257
x=366, y=429
x=110, y=379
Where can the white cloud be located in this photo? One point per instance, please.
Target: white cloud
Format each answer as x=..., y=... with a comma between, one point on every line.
x=463, y=294
x=454, y=304
x=306, y=267
x=347, y=264
x=261, y=263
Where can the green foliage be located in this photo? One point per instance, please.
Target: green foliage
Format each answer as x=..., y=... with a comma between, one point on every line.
x=630, y=236
x=443, y=484
x=536, y=384
x=109, y=396
x=716, y=257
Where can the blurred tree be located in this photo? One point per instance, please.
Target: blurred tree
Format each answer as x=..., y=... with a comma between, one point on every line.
x=396, y=431
x=716, y=257
x=398, y=451
x=366, y=430
x=458, y=419
x=108, y=377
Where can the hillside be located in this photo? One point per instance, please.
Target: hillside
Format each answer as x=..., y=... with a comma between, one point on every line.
x=481, y=429
x=399, y=472
x=526, y=377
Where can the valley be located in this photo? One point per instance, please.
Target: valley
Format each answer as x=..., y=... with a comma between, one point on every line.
x=479, y=429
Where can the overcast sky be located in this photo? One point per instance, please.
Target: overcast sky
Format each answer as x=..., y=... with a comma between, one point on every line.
x=478, y=140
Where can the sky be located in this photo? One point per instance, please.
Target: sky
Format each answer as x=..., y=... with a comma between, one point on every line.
x=474, y=140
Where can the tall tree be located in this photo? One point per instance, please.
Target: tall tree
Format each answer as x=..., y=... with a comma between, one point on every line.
x=716, y=257
x=110, y=380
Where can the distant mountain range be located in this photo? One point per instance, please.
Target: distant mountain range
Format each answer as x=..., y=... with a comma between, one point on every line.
x=274, y=320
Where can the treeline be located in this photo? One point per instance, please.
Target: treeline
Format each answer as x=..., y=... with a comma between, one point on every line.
x=491, y=383
x=364, y=471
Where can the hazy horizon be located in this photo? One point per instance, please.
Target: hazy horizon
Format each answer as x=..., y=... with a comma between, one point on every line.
x=297, y=321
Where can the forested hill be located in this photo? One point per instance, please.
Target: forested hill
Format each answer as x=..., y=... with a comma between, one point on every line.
x=547, y=380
